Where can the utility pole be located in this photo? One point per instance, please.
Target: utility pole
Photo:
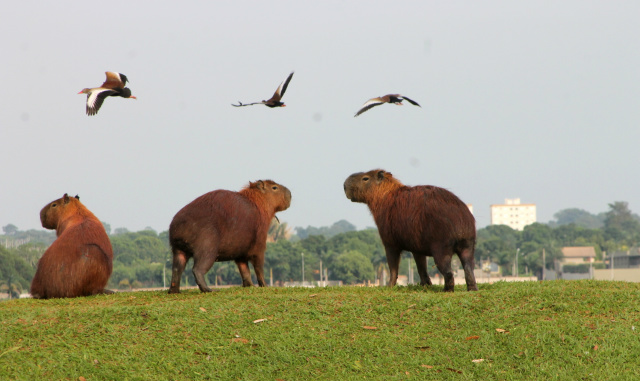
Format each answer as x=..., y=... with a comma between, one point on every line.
x=515, y=272
x=611, y=259
x=303, y=269
x=544, y=263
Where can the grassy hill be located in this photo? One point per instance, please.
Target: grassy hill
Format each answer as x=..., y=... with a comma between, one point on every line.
x=565, y=330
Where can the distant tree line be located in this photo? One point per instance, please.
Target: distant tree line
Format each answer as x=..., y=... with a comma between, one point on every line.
x=143, y=258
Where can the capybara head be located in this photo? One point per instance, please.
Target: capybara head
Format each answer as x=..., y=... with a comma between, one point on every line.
x=276, y=195
x=50, y=214
x=367, y=186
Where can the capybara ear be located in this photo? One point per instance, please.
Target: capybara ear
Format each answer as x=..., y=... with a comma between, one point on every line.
x=65, y=198
x=78, y=197
x=381, y=175
x=260, y=185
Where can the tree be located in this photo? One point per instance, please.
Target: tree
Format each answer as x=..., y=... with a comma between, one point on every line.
x=10, y=229
x=352, y=267
x=107, y=227
x=578, y=217
x=341, y=226
x=278, y=231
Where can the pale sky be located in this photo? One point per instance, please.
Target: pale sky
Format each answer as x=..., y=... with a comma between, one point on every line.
x=532, y=99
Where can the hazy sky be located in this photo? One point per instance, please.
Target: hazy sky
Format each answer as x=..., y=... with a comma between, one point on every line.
x=532, y=99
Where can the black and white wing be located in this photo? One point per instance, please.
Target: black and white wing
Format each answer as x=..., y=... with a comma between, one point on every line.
x=373, y=102
x=282, y=88
x=95, y=99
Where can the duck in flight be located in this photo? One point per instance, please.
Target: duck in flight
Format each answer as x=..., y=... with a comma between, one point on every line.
x=112, y=87
x=274, y=101
x=389, y=98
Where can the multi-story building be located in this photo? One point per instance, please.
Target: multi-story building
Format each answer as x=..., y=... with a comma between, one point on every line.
x=513, y=214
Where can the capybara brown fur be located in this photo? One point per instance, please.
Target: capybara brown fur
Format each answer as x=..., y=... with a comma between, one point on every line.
x=224, y=225
x=426, y=220
x=80, y=260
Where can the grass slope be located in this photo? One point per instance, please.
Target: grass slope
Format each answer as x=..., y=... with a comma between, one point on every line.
x=565, y=330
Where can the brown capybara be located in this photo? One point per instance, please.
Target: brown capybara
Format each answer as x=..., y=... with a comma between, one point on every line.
x=426, y=220
x=80, y=260
x=222, y=226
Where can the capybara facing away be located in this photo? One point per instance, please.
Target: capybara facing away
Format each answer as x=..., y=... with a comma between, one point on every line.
x=222, y=226
x=80, y=260
x=426, y=220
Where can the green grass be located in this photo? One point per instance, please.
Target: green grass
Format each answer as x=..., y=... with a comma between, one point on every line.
x=573, y=330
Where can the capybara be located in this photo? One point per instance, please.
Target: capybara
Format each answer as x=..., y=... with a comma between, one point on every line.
x=80, y=260
x=426, y=220
x=222, y=226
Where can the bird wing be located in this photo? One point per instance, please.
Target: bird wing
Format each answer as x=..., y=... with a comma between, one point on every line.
x=114, y=80
x=281, y=89
x=240, y=104
x=410, y=101
x=95, y=99
x=373, y=102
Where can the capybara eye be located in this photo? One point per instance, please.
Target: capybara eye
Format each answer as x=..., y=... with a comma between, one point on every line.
x=274, y=187
x=365, y=179
x=54, y=205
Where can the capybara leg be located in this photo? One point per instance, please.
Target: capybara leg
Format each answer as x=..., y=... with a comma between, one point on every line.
x=443, y=262
x=468, y=264
x=421, y=263
x=245, y=273
x=393, y=260
x=201, y=265
x=179, y=263
x=258, y=267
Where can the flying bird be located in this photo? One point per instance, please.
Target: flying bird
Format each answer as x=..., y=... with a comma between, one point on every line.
x=274, y=101
x=389, y=98
x=112, y=87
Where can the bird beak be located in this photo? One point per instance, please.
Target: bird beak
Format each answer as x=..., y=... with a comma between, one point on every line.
x=133, y=97
x=80, y=92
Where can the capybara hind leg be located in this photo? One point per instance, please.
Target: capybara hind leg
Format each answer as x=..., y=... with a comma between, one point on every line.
x=245, y=273
x=468, y=264
x=393, y=260
x=201, y=265
x=421, y=264
x=443, y=262
x=179, y=263
x=258, y=267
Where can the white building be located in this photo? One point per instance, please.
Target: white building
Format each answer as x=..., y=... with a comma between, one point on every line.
x=513, y=214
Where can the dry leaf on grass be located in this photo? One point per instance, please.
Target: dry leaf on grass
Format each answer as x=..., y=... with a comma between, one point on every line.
x=82, y=378
x=455, y=370
x=500, y=330
x=368, y=327
x=240, y=340
x=203, y=309
x=595, y=348
x=259, y=321
x=477, y=360
x=427, y=366
x=472, y=338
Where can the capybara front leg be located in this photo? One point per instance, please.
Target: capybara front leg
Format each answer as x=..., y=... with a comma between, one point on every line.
x=245, y=273
x=201, y=265
x=393, y=260
x=468, y=264
x=258, y=267
x=421, y=264
x=179, y=263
